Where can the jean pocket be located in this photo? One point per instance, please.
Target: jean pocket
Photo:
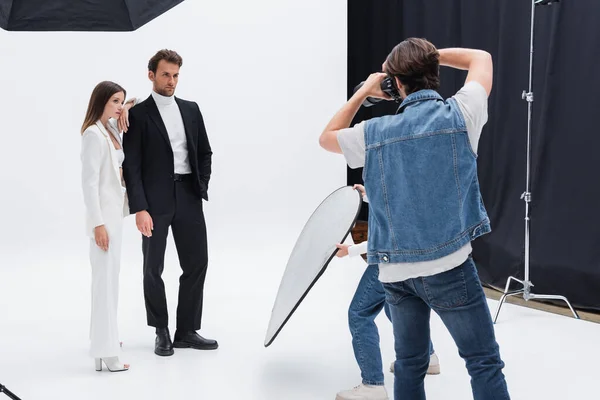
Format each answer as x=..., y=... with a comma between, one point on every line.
x=446, y=290
x=394, y=293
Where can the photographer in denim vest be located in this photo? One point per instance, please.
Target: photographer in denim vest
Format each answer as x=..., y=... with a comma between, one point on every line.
x=420, y=175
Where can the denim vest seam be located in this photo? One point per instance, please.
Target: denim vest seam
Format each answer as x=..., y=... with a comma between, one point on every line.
x=458, y=114
x=449, y=243
x=456, y=177
x=385, y=199
x=367, y=152
x=422, y=135
x=461, y=121
x=470, y=147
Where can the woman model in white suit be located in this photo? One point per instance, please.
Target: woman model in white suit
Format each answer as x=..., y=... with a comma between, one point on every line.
x=106, y=205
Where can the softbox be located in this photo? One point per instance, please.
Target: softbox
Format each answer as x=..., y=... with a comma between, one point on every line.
x=329, y=224
x=80, y=15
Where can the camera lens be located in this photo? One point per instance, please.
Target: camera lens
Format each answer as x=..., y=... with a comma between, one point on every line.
x=369, y=101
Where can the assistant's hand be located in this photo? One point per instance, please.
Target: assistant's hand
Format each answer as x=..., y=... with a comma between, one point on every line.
x=372, y=86
x=144, y=223
x=361, y=189
x=101, y=237
x=342, y=250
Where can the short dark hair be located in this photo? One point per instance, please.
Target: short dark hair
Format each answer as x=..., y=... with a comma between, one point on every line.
x=416, y=63
x=164, y=54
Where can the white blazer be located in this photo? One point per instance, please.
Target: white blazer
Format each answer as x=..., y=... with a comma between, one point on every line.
x=105, y=200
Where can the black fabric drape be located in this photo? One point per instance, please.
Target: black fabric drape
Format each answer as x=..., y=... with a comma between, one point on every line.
x=80, y=15
x=565, y=223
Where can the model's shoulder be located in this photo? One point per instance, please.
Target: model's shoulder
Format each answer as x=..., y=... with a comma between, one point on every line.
x=189, y=103
x=139, y=108
x=92, y=130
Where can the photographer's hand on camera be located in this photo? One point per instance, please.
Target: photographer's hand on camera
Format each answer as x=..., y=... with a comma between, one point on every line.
x=343, y=118
x=372, y=87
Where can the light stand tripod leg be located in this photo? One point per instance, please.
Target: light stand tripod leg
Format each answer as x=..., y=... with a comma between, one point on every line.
x=556, y=297
x=502, y=299
x=508, y=293
x=7, y=392
x=512, y=278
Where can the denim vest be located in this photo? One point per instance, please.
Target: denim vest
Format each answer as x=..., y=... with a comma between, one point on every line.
x=420, y=176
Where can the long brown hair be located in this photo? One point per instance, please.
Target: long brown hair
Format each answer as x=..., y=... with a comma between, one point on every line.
x=100, y=96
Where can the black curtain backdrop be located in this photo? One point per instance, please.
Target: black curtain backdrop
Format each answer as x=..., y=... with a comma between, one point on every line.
x=565, y=222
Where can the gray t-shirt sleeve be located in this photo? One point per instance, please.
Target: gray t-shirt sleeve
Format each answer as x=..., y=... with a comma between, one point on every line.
x=352, y=143
x=472, y=100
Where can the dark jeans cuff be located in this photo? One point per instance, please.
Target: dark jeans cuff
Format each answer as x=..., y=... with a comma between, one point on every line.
x=372, y=383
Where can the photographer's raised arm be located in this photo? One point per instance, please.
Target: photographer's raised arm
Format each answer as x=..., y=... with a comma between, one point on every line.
x=477, y=62
x=343, y=118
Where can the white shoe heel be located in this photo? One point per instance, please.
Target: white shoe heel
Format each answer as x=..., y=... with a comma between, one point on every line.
x=112, y=364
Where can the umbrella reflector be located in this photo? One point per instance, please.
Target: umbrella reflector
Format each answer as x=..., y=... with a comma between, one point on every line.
x=329, y=224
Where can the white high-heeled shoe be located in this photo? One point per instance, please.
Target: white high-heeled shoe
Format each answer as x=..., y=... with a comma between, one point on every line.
x=112, y=363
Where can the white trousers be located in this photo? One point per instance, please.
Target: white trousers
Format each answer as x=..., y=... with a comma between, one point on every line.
x=104, y=334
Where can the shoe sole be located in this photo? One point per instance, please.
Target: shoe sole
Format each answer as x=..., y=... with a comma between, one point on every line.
x=345, y=398
x=184, y=345
x=164, y=354
x=99, y=368
x=115, y=370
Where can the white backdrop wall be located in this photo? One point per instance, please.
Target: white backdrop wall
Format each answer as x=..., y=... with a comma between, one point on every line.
x=267, y=76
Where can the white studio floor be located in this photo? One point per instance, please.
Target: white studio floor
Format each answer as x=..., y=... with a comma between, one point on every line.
x=44, y=320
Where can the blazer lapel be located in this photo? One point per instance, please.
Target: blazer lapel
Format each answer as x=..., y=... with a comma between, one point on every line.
x=187, y=124
x=111, y=150
x=157, y=119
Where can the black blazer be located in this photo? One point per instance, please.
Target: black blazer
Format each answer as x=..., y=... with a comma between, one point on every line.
x=148, y=167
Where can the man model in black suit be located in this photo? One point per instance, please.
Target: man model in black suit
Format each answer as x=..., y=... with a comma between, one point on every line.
x=166, y=170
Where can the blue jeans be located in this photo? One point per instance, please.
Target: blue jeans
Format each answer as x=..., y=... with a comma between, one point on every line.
x=367, y=303
x=458, y=298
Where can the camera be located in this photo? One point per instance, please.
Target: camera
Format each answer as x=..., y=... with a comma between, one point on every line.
x=388, y=86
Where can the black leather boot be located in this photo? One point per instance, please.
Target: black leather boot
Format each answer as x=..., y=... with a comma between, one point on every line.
x=163, y=345
x=190, y=339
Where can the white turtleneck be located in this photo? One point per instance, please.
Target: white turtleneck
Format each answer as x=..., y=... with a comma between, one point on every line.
x=171, y=116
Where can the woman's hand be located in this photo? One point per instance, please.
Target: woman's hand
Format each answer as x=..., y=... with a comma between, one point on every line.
x=101, y=237
x=123, y=122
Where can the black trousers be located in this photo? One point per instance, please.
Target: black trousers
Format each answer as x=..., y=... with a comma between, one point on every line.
x=186, y=220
